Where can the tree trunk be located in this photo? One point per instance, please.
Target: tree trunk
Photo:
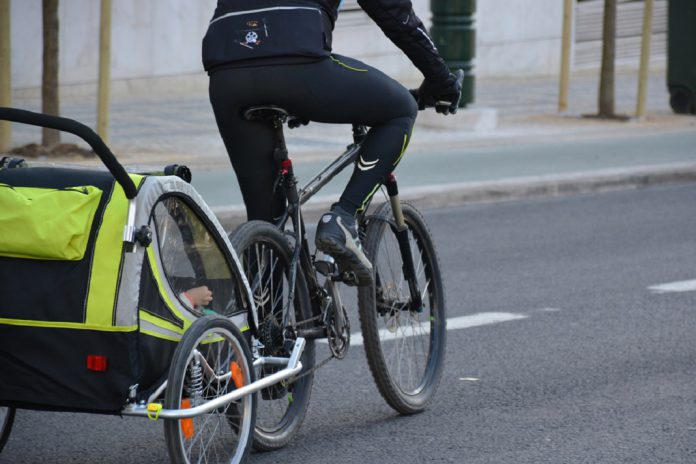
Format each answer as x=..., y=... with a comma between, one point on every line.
x=49, y=84
x=606, y=82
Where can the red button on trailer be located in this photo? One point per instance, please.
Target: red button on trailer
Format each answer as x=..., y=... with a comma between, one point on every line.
x=97, y=363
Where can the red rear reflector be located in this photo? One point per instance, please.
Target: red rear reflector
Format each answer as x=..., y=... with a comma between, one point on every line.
x=97, y=363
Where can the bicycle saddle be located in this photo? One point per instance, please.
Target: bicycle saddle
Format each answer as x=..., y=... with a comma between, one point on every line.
x=265, y=113
x=272, y=113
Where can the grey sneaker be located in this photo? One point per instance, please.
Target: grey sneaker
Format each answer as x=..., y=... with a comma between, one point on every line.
x=337, y=235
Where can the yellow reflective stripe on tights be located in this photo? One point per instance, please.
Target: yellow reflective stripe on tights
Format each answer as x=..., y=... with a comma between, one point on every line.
x=404, y=146
x=407, y=139
x=340, y=63
x=367, y=199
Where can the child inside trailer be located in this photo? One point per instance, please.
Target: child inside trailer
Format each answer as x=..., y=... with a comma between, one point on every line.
x=193, y=262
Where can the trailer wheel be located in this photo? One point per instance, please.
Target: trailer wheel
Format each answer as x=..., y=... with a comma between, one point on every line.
x=211, y=360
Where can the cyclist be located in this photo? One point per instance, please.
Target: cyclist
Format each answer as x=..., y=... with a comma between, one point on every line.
x=278, y=52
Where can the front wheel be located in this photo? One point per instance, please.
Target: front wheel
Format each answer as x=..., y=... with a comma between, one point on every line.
x=6, y=420
x=404, y=344
x=211, y=360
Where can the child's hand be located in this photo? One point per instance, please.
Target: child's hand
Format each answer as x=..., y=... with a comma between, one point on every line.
x=199, y=296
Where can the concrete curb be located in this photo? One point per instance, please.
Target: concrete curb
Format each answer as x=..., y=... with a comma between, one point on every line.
x=437, y=196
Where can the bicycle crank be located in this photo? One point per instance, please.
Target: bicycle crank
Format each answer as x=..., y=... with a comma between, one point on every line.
x=338, y=335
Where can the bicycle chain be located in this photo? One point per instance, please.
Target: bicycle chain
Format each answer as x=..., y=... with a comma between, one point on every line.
x=316, y=367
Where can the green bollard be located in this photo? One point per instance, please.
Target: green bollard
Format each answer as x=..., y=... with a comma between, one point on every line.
x=455, y=37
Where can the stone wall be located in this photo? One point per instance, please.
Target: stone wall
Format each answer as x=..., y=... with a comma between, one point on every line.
x=156, y=43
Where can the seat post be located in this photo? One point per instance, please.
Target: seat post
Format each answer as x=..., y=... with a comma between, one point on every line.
x=280, y=151
x=276, y=116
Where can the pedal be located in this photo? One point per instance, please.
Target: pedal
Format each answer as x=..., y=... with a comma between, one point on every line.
x=325, y=264
x=348, y=278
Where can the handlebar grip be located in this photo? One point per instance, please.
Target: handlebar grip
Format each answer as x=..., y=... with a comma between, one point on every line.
x=443, y=106
x=82, y=131
x=451, y=107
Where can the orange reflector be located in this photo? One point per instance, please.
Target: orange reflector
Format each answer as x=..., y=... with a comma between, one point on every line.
x=237, y=376
x=186, y=424
x=97, y=363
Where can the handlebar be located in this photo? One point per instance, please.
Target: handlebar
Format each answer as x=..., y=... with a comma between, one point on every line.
x=82, y=131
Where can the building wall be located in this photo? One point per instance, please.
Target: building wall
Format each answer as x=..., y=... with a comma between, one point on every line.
x=162, y=39
x=152, y=38
x=518, y=37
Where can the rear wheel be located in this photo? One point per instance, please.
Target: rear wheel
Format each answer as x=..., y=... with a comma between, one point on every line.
x=6, y=419
x=265, y=256
x=404, y=345
x=211, y=360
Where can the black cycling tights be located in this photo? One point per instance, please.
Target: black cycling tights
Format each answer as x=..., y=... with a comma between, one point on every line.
x=333, y=90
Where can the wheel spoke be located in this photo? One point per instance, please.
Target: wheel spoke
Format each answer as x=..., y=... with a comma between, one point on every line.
x=277, y=416
x=209, y=347
x=404, y=345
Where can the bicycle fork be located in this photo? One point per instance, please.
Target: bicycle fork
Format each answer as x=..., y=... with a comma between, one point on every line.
x=401, y=232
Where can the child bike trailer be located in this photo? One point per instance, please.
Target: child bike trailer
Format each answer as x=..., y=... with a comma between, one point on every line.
x=102, y=274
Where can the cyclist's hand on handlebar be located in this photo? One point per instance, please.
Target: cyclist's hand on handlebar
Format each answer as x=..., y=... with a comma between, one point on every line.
x=444, y=95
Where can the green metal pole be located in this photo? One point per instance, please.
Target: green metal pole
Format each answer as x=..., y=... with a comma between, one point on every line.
x=454, y=35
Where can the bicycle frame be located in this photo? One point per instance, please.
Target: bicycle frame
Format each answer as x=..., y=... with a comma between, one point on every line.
x=302, y=254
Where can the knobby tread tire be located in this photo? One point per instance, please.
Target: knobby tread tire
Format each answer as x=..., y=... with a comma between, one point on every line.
x=242, y=238
x=177, y=373
x=378, y=225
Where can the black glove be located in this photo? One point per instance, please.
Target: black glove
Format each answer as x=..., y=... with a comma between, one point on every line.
x=444, y=95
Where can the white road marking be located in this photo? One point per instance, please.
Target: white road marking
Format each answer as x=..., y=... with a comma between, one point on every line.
x=455, y=323
x=470, y=379
x=674, y=287
x=546, y=310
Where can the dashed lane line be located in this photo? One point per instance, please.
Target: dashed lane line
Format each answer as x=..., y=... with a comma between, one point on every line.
x=454, y=323
x=674, y=287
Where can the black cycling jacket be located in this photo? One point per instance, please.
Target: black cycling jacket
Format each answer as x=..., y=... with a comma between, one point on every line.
x=396, y=18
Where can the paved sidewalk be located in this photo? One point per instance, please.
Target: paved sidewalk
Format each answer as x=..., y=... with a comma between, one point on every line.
x=509, y=114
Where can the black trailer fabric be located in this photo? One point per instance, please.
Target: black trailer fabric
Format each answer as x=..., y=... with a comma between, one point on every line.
x=57, y=315
x=47, y=368
x=78, y=334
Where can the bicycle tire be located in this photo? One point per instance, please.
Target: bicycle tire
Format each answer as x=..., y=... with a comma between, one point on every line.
x=280, y=413
x=385, y=331
x=7, y=416
x=224, y=434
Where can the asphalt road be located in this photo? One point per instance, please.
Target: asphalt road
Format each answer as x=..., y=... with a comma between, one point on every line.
x=595, y=365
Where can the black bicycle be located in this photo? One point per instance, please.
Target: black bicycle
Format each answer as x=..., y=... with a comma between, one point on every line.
x=402, y=313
